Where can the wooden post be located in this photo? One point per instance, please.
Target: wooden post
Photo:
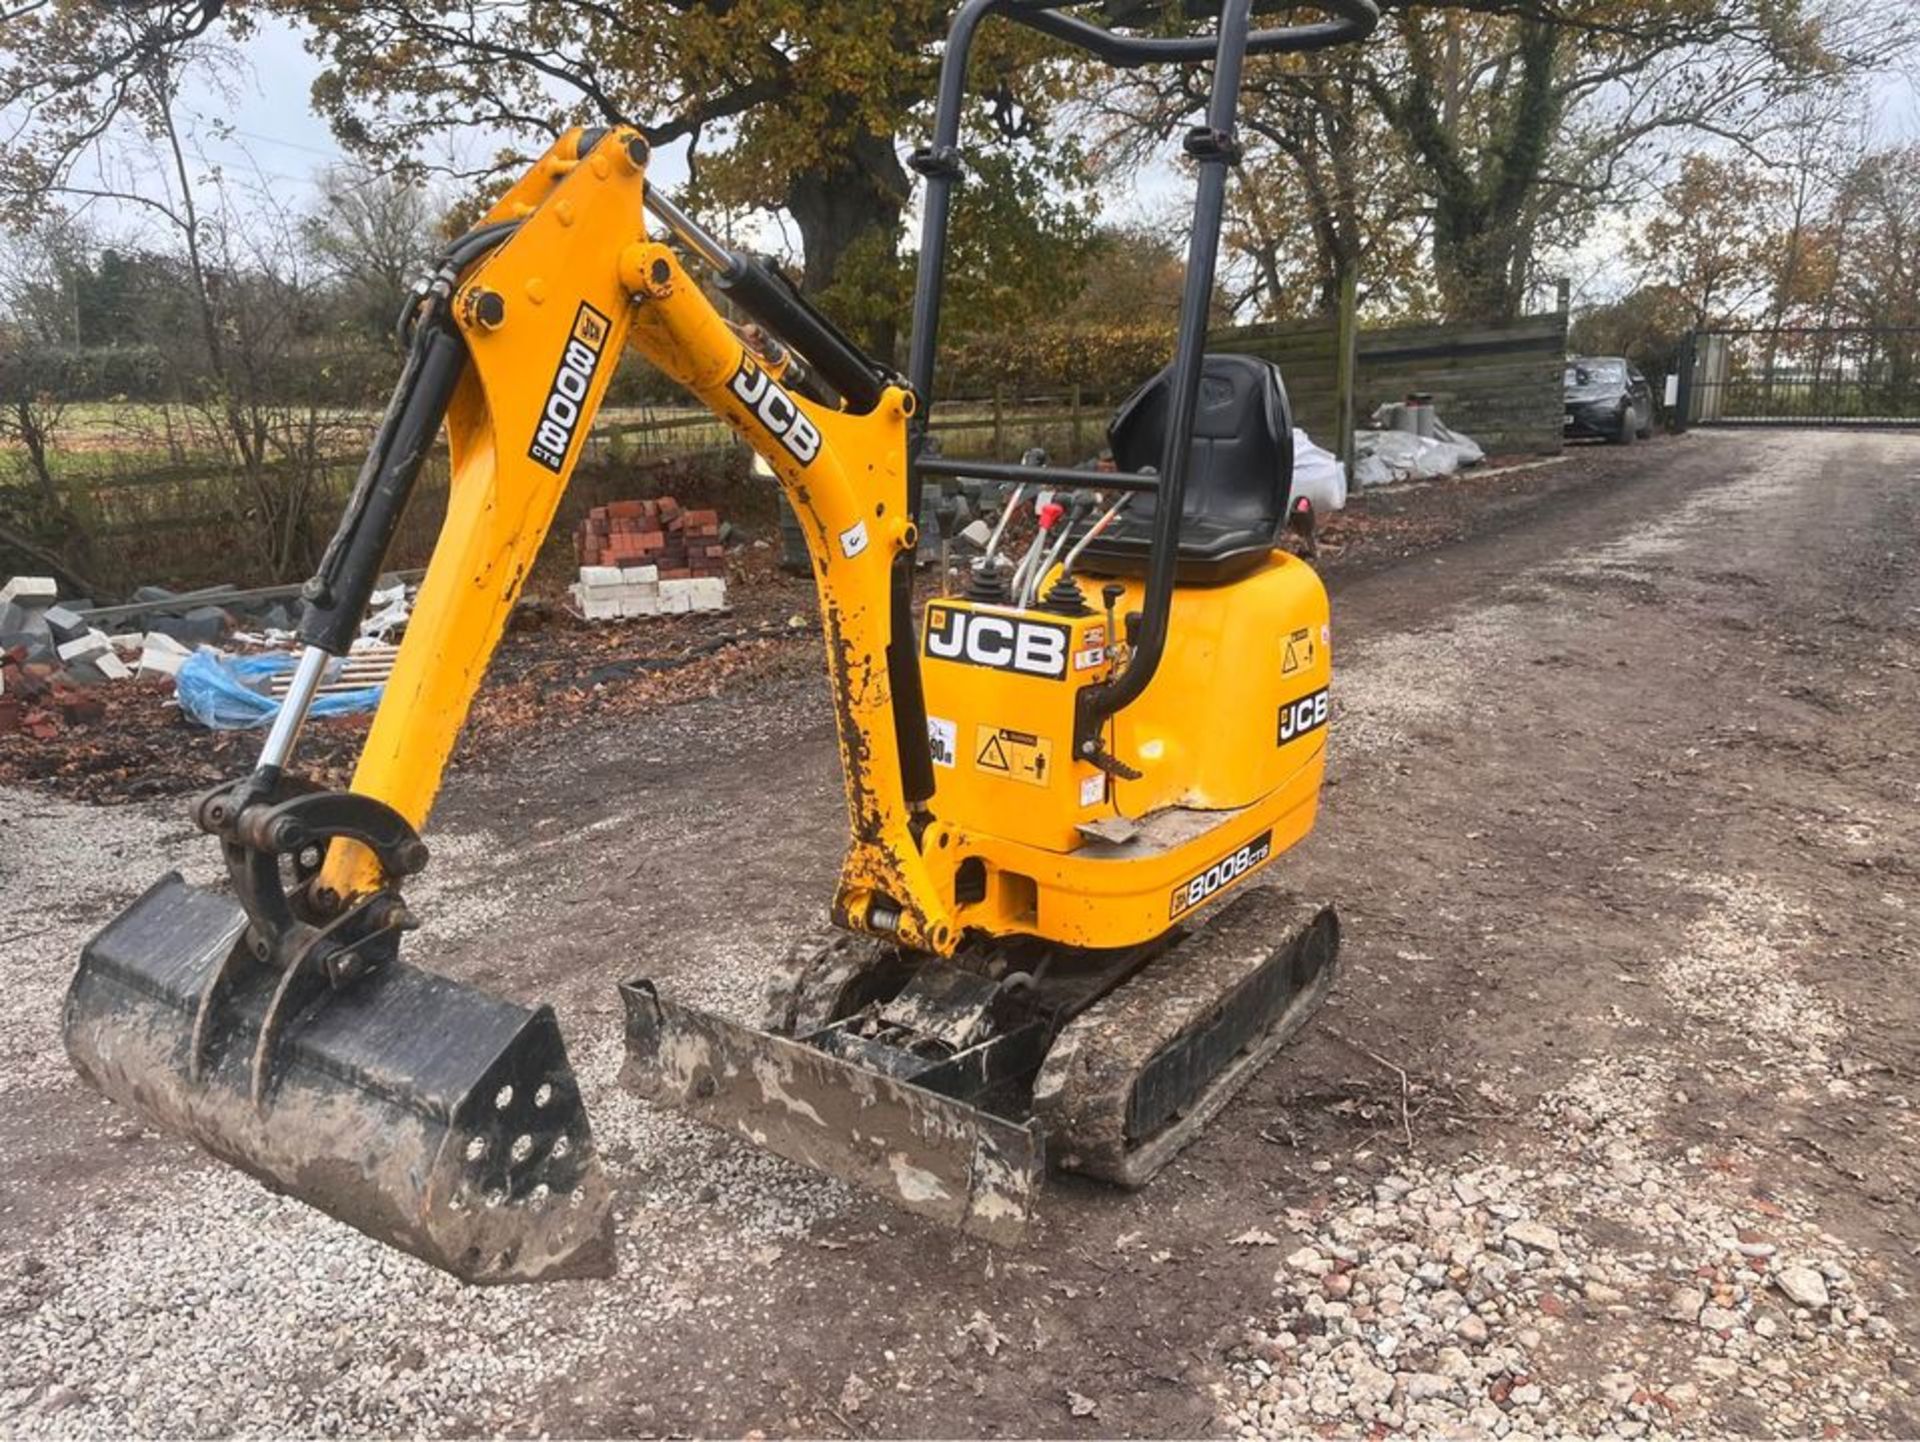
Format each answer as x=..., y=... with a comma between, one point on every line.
x=1345, y=363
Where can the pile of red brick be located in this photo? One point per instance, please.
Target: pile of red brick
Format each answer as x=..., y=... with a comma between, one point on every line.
x=36, y=698
x=680, y=542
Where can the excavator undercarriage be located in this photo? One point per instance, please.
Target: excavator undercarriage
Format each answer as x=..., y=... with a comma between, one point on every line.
x=949, y=1088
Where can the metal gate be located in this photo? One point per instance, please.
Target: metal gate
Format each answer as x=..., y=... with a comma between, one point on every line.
x=1833, y=376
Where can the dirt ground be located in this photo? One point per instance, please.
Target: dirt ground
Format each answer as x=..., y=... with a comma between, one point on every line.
x=1608, y=1128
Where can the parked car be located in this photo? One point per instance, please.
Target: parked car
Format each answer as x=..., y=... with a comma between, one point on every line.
x=1607, y=396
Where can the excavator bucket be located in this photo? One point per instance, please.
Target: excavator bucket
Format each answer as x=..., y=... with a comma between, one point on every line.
x=423, y=1112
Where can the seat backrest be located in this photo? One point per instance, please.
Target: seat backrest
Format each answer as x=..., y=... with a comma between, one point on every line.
x=1240, y=465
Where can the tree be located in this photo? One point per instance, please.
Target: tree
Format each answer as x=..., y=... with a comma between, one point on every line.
x=1530, y=112
x=1878, y=208
x=36, y=521
x=1710, y=243
x=374, y=233
x=228, y=295
x=41, y=278
x=1320, y=158
x=1645, y=325
x=1133, y=275
x=790, y=104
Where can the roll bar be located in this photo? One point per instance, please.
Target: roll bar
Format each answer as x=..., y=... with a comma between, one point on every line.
x=1213, y=146
x=1354, y=20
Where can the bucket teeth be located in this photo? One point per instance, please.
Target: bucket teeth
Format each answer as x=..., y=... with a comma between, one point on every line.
x=421, y=1111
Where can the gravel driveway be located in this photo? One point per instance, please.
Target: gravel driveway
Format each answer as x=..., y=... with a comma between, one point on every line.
x=1609, y=1127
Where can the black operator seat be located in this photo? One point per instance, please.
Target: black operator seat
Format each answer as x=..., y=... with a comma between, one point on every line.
x=1239, y=473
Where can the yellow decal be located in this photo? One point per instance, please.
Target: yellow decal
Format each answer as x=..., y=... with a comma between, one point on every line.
x=1016, y=755
x=1299, y=654
x=590, y=327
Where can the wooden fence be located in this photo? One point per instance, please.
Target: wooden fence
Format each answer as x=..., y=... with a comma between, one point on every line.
x=186, y=523
x=1498, y=383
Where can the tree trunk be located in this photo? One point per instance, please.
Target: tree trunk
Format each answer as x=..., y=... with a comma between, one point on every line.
x=849, y=210
x=1480, y=202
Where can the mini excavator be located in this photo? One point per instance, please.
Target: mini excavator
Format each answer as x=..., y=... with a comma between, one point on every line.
x=1048, y=943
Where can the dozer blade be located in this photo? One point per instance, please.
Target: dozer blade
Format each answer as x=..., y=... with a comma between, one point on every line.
x=928, y=1153
x=423, y=1112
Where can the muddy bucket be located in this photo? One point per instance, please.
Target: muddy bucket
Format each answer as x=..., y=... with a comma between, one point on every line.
x=425, y=1113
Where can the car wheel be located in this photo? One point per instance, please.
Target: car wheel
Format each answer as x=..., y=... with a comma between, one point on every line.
x=1623, y=433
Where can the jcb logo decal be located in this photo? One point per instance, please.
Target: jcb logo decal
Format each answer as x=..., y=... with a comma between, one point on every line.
x=1222, y=874
x=1004, y=643
x=572, y=380
x=775, y=410
x=1297, y=718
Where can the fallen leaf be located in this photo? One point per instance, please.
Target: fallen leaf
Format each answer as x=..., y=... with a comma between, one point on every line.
x=856, y=1394
x=1081, y=1406
x=981, y=1328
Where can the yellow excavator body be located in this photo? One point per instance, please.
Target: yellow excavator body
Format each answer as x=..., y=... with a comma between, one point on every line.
x=1067, y=782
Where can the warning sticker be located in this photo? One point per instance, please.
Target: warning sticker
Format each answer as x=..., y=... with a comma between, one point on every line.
x=1299, y=652
x=943, y=740
x=1015, y=755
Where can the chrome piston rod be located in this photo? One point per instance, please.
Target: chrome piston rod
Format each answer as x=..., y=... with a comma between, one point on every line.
x=292, y=716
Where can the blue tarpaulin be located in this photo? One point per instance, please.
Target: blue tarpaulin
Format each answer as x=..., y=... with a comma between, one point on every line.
x=229, y=693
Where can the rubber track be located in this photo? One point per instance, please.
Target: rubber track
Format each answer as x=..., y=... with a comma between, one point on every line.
x=1082, y=1092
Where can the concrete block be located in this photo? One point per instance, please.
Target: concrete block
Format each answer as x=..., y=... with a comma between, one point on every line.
x=709, y=593
x=678, y=604
x=86, y=647
x=21, y=627
x=65, y=624
x=128, y=642
x=214, y=623
x=164, y=659
x=109, y=664
x=640, y=575
x=202, y=626
x=601, y=610
x=640, y=603
x=600, y=576
x=676, y=586
x=34, y=591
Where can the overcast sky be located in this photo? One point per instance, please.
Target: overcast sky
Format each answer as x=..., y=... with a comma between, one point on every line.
x=279, y=138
